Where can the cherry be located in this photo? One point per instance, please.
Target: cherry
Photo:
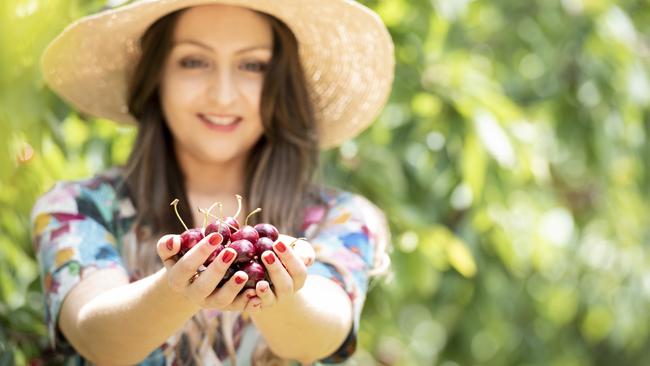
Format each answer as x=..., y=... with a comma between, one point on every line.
x=255, y=272
x=268, y=231
x=232, y=223
x=262, y=245
x=247, y=232
x=218, y=227
x=245, y=250
x=189, y=239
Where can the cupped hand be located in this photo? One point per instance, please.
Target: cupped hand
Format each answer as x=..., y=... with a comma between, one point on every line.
x=198, y=284
x=287, y=266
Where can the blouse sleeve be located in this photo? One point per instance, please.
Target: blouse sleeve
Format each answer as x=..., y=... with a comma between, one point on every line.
x=350, y=245
x=71, y=237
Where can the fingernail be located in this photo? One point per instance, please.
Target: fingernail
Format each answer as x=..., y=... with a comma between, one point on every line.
x=227, y=256
x=281, y=247
x=307, y=261
x=263, y=289
x=215, y=239
x=239, y=280
x=250, y=296
x=269, y=258
x=170, y=243
x=256, y=305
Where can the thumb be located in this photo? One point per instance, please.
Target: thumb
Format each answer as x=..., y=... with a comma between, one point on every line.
x=167, y=248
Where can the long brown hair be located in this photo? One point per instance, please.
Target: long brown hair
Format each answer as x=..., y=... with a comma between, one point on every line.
x=279, y=171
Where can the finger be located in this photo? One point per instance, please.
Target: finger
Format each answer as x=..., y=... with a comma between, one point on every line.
x=304, y=251
x=224, y=296
x=208, y=280
x=167, y=247
x=266, y=295
x=302, y=248
x=254, y=305
x=281, y=279
x=241, y=300
x=295, y=266
x=195, y=257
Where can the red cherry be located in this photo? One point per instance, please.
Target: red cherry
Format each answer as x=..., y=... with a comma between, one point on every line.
x=263, y=244
x=189, y=239
x=245, y=250
x=268, y=231
x=232, y=224
x=246, y=233
x=255, y=272
x=220, y=228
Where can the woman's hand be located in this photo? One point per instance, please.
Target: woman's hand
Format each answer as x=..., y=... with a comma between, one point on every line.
x=287, y=268
x=200, y=287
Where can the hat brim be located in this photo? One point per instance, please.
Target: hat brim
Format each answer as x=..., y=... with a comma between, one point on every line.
x=345, y=50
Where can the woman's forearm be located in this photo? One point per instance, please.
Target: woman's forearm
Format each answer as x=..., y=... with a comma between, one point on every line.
x=309, y=326
x=125, y=324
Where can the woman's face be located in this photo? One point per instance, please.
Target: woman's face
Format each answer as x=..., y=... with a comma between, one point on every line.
x=212, y=82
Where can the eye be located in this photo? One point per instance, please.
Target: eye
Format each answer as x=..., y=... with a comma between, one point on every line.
x=255, y=66
x=191, y=63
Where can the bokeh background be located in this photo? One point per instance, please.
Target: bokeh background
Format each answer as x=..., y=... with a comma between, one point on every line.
x=512, y=162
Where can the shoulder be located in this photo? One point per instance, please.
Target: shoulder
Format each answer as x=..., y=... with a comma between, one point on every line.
x=342, y=211
x=344, y=205
x=79, y=197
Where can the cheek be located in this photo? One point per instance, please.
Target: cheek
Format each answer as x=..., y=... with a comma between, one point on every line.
x=251, y=89
x=177, y=95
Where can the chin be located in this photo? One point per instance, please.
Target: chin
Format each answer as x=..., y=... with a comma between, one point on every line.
x=224, y=155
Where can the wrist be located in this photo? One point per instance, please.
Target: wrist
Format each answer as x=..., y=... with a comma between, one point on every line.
x=182, y=303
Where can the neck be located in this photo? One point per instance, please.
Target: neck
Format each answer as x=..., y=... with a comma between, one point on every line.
x=209, y=181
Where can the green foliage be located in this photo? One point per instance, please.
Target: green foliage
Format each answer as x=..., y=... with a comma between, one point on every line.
x=511, y=161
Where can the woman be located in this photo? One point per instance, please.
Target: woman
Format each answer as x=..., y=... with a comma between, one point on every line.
x=230, y=99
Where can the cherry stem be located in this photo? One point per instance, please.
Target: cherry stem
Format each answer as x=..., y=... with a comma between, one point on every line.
x=220, y=209
x=205, y=217
x=175, y=204
x=251, y=214
x=220, y=220
x=212, y=207
x=239, y=198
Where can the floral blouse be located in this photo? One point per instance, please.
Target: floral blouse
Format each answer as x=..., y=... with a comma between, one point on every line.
x=82, y=226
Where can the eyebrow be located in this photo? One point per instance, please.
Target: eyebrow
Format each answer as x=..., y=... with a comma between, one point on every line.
x=203, y=45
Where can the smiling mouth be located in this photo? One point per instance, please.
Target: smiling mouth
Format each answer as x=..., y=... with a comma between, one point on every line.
x=221, y=123
x=220, y=120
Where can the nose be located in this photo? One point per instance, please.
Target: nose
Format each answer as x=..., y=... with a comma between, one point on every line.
x=224, y=88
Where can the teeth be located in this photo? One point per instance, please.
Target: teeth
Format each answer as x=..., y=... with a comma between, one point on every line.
x=223, y=121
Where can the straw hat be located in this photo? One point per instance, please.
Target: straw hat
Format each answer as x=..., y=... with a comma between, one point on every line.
x=344, y=47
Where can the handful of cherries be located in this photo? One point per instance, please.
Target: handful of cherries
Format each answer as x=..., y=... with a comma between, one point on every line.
x=248, y=242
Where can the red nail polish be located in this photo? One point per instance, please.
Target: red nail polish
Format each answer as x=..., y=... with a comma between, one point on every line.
x=281, y=247
x=215, y=239
x=227, y=256
x=239, y=280
x=269, y=258
x=170, y=243
x=263, y=289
